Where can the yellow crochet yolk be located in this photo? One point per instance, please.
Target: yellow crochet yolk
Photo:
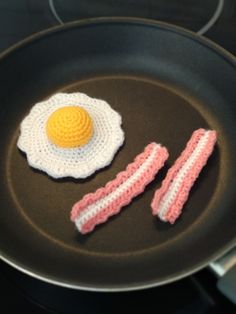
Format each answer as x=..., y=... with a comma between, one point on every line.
x=69, y=127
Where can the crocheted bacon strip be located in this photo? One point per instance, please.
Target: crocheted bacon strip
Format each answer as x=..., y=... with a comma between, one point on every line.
x=170, y=198
x=95, y=208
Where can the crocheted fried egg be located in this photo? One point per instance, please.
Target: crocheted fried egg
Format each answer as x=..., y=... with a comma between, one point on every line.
x=70, y=135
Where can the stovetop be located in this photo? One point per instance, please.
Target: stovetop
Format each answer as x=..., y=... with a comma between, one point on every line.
x=194, y=294
x=19, y=19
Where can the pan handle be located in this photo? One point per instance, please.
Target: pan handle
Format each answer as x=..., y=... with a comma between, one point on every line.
x=225, y=269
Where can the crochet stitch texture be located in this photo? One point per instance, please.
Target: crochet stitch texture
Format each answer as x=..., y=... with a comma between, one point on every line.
x=78, y=162
x=95, y=208
x=69, y=127
x=169, y=200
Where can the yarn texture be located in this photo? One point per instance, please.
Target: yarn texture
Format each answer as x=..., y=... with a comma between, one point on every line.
x=95, y=208
x=69, y=127
x=78, y=162
x=169, y=200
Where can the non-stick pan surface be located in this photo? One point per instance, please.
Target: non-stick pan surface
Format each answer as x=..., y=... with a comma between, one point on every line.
x=165, y=82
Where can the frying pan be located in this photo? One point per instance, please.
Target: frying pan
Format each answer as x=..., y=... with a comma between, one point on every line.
x=166, y=82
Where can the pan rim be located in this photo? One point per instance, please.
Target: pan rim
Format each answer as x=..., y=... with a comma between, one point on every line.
x=121, y=287
x=122, y=20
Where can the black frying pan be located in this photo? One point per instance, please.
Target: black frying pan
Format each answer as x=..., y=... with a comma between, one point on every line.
x=166, y=82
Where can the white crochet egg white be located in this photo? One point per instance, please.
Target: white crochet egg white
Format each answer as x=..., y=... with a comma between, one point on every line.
x=79, y=162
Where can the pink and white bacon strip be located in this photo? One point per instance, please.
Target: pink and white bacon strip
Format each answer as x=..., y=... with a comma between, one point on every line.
x=95, y=208
x=169, y=200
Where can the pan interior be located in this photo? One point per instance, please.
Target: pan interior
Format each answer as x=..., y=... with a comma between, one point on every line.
x=150, y=111
x=165, y=83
